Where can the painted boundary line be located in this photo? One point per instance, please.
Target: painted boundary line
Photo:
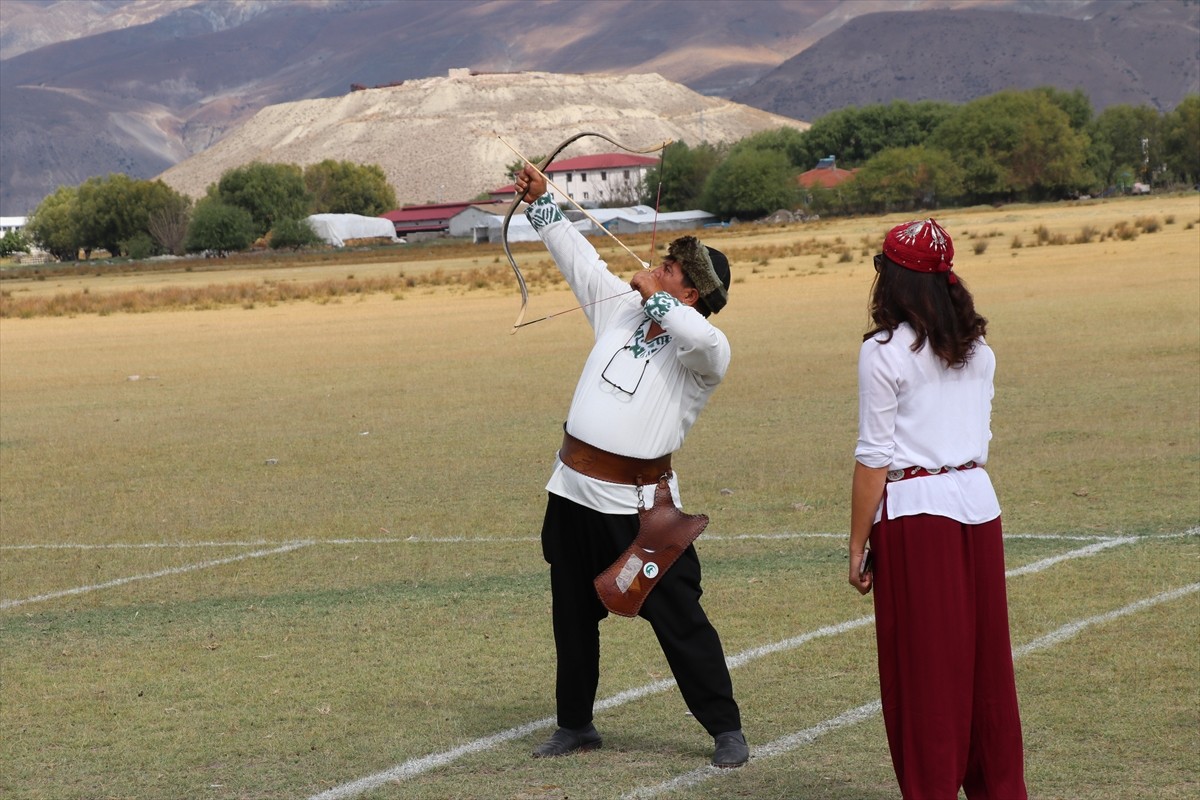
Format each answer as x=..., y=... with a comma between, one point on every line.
x=417, y=766
x=792, y=741
x=1102, y=542
x=5, y=604
x=415, y=539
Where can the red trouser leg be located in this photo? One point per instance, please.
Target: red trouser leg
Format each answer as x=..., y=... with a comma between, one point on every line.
x=942, y=633
x=996, y=762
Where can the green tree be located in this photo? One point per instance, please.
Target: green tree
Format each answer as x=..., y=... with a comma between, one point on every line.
x=855, y=135
x=219, y=226
x=13, y=242
x=1181, y=140
x=906, y=178
x=117, y=209
x=1015, y=144
x=839, y=199
x=513, y=167
x=140, y=245
x=343, y=187
x=680, y=176
x=751, y=184
x=269, y=192
x=53, y=224
x=788, y=141
x=293, y=234
x=1127, y=141
x=1075, y=104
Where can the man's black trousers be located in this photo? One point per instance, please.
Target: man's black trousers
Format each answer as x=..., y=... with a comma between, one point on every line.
x=579, y=544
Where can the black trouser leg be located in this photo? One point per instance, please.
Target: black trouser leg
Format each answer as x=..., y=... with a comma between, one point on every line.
x=692, y=646
x=579, y=544
x=568, y=546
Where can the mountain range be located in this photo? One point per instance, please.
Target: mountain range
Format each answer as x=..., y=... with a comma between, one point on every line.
x=89, y=87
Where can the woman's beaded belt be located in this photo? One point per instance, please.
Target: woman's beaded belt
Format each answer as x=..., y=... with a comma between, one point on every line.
x=603, y=465
x=920, y=472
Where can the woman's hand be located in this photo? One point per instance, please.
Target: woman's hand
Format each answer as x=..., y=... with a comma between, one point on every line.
x=865, y=497
x=860, y=579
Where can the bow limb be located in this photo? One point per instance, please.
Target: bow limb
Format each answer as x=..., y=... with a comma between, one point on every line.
x=512, y=262
x=545, y=162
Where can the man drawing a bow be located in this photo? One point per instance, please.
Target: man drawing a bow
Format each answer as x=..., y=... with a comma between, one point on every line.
x=654, y=364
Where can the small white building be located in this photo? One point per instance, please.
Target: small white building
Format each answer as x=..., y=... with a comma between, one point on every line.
x=604, y=179
x=519, y=229
x=474, y=220
x=642, y=219
x=12, y=224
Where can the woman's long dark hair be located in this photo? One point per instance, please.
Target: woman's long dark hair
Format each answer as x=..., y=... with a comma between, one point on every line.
x=940, y=312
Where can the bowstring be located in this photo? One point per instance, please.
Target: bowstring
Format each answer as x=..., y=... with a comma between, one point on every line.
x=662, y=160
x=575, y=308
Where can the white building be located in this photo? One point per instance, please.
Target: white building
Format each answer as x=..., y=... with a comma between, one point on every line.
x=641, y=219
x=605, y=179
x=12, y=224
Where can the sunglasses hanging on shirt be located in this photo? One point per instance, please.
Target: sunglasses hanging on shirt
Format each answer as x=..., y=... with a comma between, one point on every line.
x=627, y=367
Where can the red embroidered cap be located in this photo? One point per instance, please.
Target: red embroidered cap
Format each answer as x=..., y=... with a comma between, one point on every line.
x=921, y=245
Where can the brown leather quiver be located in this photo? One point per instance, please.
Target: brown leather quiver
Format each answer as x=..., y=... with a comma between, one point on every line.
x=664, y=533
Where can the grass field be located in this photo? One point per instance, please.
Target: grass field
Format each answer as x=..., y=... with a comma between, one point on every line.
x=289, y=549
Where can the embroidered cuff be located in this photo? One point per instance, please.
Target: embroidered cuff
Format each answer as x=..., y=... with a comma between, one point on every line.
x=543, y=211
x=658, y=304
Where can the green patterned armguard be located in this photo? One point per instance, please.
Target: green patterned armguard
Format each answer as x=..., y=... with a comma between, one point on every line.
x=543, y=211
x=658, y=304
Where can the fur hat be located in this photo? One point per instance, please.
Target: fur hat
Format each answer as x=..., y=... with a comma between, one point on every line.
x=706, y=268
x=921, y=245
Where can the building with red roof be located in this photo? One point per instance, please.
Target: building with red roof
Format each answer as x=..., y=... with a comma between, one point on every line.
x=826, y=174
x=604, y=179
x=593, y=181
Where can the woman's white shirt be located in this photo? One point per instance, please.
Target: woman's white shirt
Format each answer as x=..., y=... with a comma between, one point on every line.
x=914, y=411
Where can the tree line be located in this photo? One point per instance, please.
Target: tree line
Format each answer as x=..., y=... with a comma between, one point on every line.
x=142, y=218
x=1031, y=145
x=1013, y=146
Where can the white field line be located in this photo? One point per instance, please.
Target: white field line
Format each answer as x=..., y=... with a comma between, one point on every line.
x=414, y=767
x=733, y=537
x=5, y=604
x=287, y=546
x=792, y=741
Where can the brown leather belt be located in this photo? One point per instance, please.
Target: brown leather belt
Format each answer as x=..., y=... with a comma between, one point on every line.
x=605, y=466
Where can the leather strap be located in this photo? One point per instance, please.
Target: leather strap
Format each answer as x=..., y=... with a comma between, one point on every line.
x=605, y=466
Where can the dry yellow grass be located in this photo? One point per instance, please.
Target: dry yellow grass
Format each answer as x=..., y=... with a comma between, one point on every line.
x=336, y=423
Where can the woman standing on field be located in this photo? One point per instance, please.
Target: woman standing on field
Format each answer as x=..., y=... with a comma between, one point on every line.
x=921, y=496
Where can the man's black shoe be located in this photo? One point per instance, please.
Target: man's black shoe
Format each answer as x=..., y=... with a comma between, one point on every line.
x=731, y=750
x=569, y=740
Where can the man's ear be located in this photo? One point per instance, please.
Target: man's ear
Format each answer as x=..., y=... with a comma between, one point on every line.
x=690, y=296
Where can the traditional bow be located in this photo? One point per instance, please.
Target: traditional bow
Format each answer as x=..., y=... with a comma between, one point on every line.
x=541, y=167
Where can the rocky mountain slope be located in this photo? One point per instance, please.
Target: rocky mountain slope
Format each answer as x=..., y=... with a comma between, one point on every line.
x=1124, y=53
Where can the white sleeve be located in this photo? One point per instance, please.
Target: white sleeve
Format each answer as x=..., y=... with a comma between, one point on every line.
x=878, y=390
x=701, y=347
